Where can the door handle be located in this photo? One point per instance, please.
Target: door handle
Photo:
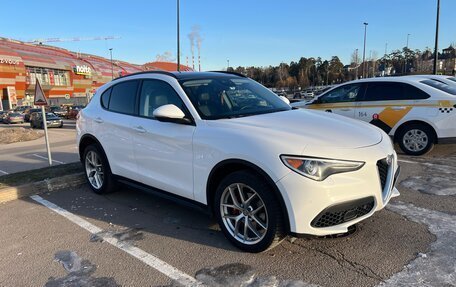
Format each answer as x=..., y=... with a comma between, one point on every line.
x=345, y=110
x=139, y=129
x=98, y=120
x=398, y=108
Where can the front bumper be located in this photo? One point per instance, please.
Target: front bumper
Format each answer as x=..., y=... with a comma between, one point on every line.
x=331, y=206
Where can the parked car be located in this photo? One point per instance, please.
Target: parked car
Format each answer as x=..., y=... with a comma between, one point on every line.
x=228, y=144
x=28, y=112
x=52, y=121
x=13, y=118
x=72, y=112
x=57, y=110
x=416, y=112
x=21, y=109
x=2, y=115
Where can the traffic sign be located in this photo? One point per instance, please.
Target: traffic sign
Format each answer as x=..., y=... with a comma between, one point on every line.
x=39, y=99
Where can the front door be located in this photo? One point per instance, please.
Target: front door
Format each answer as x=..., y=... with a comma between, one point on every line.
x=163, y=151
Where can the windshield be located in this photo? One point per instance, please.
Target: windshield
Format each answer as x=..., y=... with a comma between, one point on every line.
x=224, y=97
x=441, y=86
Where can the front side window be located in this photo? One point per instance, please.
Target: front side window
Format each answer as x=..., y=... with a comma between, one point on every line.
x=346, y=93
x=385, y=91
x=123, y=96
x=440, y=86
x=156, y=93
x=230, y=97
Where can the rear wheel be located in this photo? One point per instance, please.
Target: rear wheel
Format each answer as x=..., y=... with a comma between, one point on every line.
x=416, y=139
x=97, y=170
x=248, y=212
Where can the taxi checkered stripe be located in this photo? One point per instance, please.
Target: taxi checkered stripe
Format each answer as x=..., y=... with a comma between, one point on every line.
x=445, y=110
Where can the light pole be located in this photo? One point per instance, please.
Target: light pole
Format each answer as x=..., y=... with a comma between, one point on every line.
x=405, y=54
x=227, y=64
x=112, y=67
x=364, y=50
x=436, y=48
x=178, y=37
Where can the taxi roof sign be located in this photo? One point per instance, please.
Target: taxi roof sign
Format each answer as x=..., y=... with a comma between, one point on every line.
x=39, y=99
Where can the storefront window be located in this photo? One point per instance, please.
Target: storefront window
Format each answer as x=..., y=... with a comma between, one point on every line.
x=48, y=76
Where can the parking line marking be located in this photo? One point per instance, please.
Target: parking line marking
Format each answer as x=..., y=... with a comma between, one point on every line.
x=4, y=172
x=43, y=157
x=149, y=259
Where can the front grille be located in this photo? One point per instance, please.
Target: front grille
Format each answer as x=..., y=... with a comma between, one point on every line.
x=344, y=212
x=382, y=167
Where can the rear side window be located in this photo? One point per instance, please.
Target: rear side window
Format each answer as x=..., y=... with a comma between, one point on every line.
x=105, y=98
x=391, y=91
x=440, y=86
x=123, y=97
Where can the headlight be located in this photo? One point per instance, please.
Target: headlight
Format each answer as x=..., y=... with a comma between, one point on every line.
x=319, y=168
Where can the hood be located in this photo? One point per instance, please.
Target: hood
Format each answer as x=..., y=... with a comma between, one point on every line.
x=310, y=128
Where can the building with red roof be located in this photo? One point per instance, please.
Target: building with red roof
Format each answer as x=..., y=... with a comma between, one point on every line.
x=66, y=77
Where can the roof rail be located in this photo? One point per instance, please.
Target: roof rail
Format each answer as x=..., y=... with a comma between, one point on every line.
x=232, y=73
x=149, y=72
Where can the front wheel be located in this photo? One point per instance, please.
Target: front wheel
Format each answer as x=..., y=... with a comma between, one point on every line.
x=416, y=139
x=248, y=212
x=97, y=170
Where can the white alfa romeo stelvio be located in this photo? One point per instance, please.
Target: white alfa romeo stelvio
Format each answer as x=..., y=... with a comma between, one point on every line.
x=226, y=143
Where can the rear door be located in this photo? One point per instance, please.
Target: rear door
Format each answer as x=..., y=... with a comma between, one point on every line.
x=341, y=100
x=385, y=104
x=113, y=127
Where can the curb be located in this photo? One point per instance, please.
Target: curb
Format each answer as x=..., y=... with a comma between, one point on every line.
x=47, y=185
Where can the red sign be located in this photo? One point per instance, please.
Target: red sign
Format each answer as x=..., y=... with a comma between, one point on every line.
x=375, y=116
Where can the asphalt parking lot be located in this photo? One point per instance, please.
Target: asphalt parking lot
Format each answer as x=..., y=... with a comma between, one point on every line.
x=134, y=238
x=28, y=155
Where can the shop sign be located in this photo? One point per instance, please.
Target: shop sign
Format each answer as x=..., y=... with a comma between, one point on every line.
x=83, y=70
x=9, y=61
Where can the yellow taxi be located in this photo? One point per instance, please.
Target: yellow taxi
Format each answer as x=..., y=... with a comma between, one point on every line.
x=417, y=112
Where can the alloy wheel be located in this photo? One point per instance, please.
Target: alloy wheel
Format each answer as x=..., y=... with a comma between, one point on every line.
x=244, y=213
x=94, y=169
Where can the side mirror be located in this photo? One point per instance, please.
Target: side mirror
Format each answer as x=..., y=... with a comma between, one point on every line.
x=285, y=99
x=170, y=113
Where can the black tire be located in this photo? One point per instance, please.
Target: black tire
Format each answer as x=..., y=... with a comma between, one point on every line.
x=422, y=131
x=274, y=232
x=108, y=182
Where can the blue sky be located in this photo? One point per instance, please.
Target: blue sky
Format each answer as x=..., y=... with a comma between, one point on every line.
x=255, y=32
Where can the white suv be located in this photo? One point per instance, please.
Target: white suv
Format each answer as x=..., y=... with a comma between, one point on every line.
x=224, y=141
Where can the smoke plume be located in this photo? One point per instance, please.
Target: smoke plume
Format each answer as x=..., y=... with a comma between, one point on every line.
x=165, y=57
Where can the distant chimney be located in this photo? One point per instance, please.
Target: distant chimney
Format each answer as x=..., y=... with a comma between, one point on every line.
x=193, y=62
x=199, y=63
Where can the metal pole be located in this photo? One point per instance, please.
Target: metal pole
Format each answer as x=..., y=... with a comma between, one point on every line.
x=228, y=64
x=356, y=65
x=364, y=50
x=178, y=36
x=436, y=49
x=112, y=66
x=46, y=135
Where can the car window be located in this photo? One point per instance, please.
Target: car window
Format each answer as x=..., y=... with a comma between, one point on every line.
x=123, y=96
x=156, y=93
x=105, y=98
x=440, y=86
x=229, y=97
x=346, y=93
x=390, y=91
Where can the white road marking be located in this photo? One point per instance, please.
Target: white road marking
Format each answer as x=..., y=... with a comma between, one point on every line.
x=4, y=172
x=45, y=158
x=437, y=267
x=149, y=259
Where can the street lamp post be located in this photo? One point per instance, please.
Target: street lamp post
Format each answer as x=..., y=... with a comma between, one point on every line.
x=436, y=48
x=178, y=37
x=364, y=50
x=227, y=64
x=112, y=66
